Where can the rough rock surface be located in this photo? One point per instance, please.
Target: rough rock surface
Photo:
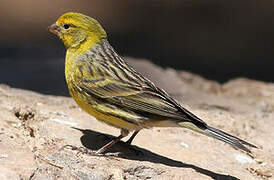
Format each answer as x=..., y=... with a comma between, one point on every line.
x=35, y=127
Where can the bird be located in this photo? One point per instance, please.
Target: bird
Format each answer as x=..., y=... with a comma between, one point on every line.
x=106, y=87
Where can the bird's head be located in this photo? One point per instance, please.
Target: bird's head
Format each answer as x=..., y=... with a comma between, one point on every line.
x=75, y=29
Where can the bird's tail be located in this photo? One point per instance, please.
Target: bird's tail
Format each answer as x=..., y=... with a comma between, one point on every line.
x=218, y=134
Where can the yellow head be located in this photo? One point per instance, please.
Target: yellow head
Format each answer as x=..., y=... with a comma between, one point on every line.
x=76, y=29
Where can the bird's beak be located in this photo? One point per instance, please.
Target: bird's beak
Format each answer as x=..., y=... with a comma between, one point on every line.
x=54, y=29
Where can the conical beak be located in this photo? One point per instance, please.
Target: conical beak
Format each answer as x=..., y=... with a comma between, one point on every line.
x=54, y=29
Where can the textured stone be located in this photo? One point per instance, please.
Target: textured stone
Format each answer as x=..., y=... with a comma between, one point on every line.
x=35, y=127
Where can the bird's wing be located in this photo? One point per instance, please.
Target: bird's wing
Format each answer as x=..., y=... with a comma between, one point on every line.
x=130, y=98
x=131, y=93
x=106, y=77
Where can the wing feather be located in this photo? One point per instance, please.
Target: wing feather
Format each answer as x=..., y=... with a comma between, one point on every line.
x=111, y=82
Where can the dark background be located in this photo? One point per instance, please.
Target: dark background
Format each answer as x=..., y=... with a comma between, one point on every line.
x=217, y=39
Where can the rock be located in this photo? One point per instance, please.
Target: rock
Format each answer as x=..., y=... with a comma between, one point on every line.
x=35, y=127
x=6, y=173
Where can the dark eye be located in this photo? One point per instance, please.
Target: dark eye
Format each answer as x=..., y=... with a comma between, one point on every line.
x=66, y=26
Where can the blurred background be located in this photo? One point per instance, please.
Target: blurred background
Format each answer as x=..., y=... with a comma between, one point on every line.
x=217, y=39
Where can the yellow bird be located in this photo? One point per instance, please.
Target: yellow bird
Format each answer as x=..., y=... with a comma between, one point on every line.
x=106, y=87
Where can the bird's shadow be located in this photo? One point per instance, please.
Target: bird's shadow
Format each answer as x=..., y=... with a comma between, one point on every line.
x=94, y=140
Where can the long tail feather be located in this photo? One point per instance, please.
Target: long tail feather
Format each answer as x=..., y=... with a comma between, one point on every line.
x=232, y=140
x=220, y=135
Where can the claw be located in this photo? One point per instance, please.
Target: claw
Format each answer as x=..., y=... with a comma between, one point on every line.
x=89, y=152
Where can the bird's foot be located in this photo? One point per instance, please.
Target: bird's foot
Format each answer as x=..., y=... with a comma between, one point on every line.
x=90, y=152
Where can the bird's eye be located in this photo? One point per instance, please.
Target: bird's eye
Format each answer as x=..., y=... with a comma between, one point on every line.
x=66, y=26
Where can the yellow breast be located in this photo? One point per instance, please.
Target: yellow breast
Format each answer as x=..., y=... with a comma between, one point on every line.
x=86, y=102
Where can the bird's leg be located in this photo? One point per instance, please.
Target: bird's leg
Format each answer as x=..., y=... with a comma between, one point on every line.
x=129, y=141
x=123, y=134
x=103, y=149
